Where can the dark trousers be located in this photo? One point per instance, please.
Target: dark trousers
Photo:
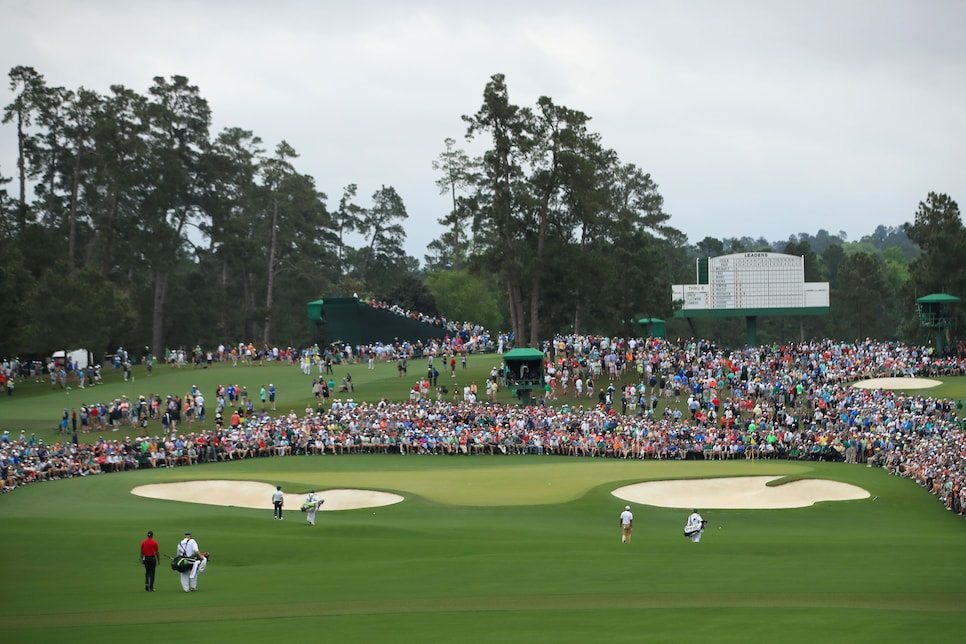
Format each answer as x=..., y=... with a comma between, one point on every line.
x=150, y=565
x=278, y=510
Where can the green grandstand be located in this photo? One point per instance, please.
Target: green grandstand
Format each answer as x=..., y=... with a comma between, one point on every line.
x=353, y=321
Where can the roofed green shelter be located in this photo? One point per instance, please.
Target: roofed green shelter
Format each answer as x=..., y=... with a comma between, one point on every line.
x=653, y=327
x=523, y=372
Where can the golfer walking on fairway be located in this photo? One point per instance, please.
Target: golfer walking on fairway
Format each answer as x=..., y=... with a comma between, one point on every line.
x=627, y=524
x=149, y=559
x=277, y=500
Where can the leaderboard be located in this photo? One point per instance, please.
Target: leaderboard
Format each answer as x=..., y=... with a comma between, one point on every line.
x=756, y=280
x=751, y=281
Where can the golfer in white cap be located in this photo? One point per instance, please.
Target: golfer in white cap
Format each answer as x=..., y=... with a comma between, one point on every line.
x=627, y=524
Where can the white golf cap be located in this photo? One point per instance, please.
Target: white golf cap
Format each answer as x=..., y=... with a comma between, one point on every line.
x=627, y=507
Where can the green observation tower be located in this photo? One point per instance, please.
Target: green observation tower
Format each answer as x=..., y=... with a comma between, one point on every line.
x=935, y=314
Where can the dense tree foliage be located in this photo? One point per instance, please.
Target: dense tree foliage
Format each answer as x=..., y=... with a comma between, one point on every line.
x=144, y=229
x=127, y=221
x=548, y=198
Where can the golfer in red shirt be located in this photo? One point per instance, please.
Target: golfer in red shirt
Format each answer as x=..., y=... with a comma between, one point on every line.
x=149, y=558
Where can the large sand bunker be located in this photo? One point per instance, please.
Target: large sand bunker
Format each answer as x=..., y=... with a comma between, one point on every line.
x=251, y=494
x=897, y=383
x=744, y=492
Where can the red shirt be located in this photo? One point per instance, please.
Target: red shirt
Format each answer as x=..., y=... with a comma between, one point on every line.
x=149, y=547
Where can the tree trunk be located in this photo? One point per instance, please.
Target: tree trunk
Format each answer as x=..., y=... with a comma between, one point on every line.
x=227, y=314
x=456, y=228
x=51, y=184
x=270, y=288
x=516, y=312
x=535, y=283
x=535, y=311
x=248, y=298
x=72, y=213
x=537, y=265
x=105, y=253
x=157, y=313
x=371, y=250
x=22, y=170
x=510, y=304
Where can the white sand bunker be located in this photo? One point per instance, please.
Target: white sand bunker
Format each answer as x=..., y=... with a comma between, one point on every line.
x=739, y=493
x=897, y=383
x=251, y=494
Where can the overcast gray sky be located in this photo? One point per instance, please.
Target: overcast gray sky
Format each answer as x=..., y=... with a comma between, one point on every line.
x=755, y=118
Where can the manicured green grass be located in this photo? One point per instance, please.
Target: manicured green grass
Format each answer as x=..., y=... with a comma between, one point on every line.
x=37, y=408
x=453, y=563
x=483, y=549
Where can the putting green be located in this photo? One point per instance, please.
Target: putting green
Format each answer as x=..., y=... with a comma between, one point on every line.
x=481, y=481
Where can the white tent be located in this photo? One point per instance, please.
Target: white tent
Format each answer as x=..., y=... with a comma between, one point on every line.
x=82, y=358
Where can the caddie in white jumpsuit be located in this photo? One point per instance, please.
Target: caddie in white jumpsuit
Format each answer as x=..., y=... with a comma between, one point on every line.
x=188, y=547
x=313, y=502
x=695, y=526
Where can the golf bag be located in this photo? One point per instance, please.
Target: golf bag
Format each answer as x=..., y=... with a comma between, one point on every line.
x=308, y=505
x=690, y=533
x=182, y=564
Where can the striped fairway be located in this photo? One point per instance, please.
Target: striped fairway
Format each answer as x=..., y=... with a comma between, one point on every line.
x=483, y=549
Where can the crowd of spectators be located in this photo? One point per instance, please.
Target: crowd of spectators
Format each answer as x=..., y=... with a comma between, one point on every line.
x=242, y=353
x=772, y=402
x=473, y=335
